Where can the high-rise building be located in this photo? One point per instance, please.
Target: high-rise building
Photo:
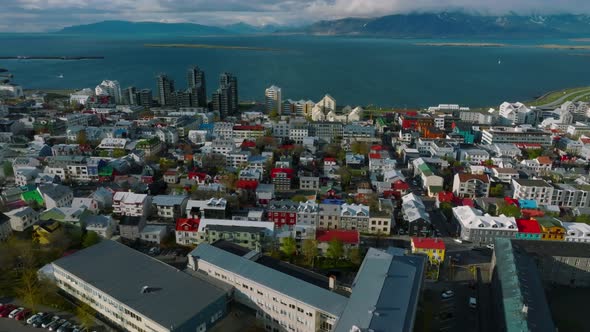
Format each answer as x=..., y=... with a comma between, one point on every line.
x=272, y=97
x=197, y=85
x=229, y=81
x=221, y=101
x=145, y=98
x=165, y=90
x=109, y=88
x=130, y=96
x=184, y=99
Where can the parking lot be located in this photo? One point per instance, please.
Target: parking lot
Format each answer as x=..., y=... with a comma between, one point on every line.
x=452, y=314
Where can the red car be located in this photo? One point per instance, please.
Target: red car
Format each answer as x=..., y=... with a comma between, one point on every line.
x=6, y=309
x=23, y=314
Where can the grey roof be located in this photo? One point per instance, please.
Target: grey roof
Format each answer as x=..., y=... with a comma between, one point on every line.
x=169, y=200
x=532, y=183
x=55, y=192
x=292, y=287
x=239, y=229
x=385, y=293
x=520, y=286
x=554, y=248
x=122, y=272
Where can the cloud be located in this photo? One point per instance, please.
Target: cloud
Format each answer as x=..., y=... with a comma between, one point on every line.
x=39, y=15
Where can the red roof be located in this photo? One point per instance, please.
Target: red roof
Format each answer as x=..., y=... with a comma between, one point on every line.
x=248, y=127
x=329, y=159
x=529, y=213
x=376, y=148
x=585, y=140
x=528, y=226
x=374, y=156
x=400, y=185
x=247, y=184
x=464, y=202
x=544, y=160
x=428, y=243
x=248, y=144
x=187, y=225
x=200, y=175
x=528, y=145
x=511, y=201
x=348, y=237
x=445, y=197
x=275, y=171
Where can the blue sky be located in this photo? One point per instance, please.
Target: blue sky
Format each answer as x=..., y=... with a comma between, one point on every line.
x=48, y=15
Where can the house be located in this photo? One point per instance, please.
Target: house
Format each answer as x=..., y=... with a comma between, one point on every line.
x=354, y=217
x=467, y=185
x=131, y=204
x=103, y=197
x=380, y=222
x=506, y=150
x=528, y=229
x=22, y=218
x=265, y=193
x=130, y=227
x=576, y=232
x=171, y=176
x=187, y=231
x=474, y=156
x=505, y=175
x=350, y=239
x=432, y=183
x=538, y=190
x=483, y=229
x=540, y=165
x=213, y=208
x=5, y=228
x=414, y=213
x=170, y=206
x=551, y=229
x=89, y=276
x=255, y=235
x=153, y=234
x=42, y=231
x=283, y=212
x=85, y=202
x=25, y=175
x=308, y=213
x=282, y=178
x=309, y=183
x=329, y=216
x=102, y=225
x=56, y=195
x=66, y=215
x=434, y=248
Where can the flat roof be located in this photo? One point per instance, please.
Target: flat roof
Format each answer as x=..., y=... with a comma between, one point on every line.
x=122, y=272
x=385, y=293
x=290, y=286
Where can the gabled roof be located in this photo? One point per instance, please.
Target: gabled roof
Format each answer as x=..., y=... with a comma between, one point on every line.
x=187, y=224
x=528, y=226
x=169, y=200
x=428, y=243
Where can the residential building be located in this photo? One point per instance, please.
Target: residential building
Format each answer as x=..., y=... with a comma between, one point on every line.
x=130, y=227
x=101, y=225
x=5, y=227
x=506, y=150
x=326, y=132
x=282, y=178
x=213, y=208
x=165, y=90
x=505, y=175
x=517, y=135
x=570, y=196
x=576, y=232
x=467, y=185
x=434, y=248
x=483, y=229
x=283, y=212
x=22, y=218
x=56, y=195
x=153, y=234
x=255, y=235
x=329, y=216
x=349, y=239
x=273, y=100
x=308, y=213
x=537, y=190
x=131, y=204
x=516, y=113
x=414, y=213
x=474, y=156
x=42, y=231
x=528, y=229
x=539, y=165
x=110, y=88
x=197, y=85
x=187, y=231
x=551, y=228
x=369, y=308
x=354, y=217
x=137, y=301
x=81, y=97
x=432, y=183
x=518, y=296
x=170, y=206
x=309, y=183
x=281, y=300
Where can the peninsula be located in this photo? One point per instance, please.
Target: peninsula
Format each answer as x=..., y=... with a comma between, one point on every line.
x=229, y=47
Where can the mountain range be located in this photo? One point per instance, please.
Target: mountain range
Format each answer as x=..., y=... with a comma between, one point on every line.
x=414, y=25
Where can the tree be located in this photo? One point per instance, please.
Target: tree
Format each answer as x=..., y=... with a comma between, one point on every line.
x=118, y=153
x=497, y=191
x=345, y=176
x=299, y=198
x=8, y=170
x=288, y=246
x=81, y=138
x=90, y=239
x=274, y=114
x=533, y=153
x=355, y=256
x=509, y=210
x=29, y=289
x=447, y=209
x=310, y=250
x=359, y=148
x=583, y=218
x=86, y=314
x=103, y=153
x=229, y=181
x=335, y=249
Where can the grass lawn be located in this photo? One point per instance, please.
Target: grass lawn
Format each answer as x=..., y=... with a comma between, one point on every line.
x=553, y=96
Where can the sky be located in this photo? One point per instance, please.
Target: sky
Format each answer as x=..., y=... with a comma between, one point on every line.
x=51, y=15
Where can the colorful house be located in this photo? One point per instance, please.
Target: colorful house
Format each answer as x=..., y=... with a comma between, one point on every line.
x=528, y=229
x=551, y=228
x=434, y=248
x=33, y=195
x=42, y=231
x=349, y=238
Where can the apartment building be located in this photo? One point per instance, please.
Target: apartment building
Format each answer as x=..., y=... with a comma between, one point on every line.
x=505, y=175
x=576, y=232
x=282, y=301
x=308, y=213
x=570, y=196
x=282, y=212
x=22, y=218
x=187, y=231
x=131, y=204
x=170, y=206
x=483, y=229
x=354, y=217
x=212, y=208
x=329, y=216
x=130, y=290
x=309, y=182
x=537, y=190
x=517, y=135
x=467, y=185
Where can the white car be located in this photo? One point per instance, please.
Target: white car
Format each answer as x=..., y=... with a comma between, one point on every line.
x=490, y=246
x=34, y=318
x=458, y=240
x=447, y=294
x=15, y=312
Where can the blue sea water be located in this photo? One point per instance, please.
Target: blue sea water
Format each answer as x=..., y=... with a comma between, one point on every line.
x=358, y=71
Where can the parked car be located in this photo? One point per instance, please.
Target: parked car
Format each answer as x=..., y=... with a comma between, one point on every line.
x=45, y=324
x=15, y=312
x=447, y=294
x=23, y=314
x=65, y=327
x=56, y=324
x=35, y=317
x=46, y=318
x=458, y=240
x=490, y=246
x=7, y=309
x=472, y=302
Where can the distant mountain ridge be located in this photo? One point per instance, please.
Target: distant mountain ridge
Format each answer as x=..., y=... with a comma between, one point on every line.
x=456, y=24
x=126, y=27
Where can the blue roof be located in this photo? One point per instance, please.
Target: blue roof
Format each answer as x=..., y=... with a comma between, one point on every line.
x=333, y=201
x=292, y=287
x=527, y=204
x=385, y=293
x=206, y=126
x=169, y=200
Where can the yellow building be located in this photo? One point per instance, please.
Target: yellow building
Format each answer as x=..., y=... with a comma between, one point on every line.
x=434, y=248
x=42, y=231
x=551, y=229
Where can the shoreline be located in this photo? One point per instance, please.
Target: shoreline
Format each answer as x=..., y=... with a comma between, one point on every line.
x=208, y=46
x=463, y=44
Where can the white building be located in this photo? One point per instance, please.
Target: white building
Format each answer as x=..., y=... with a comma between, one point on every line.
x=576, y=231
x=566, y=195
x=505, y=174
x=483, y=229
x=354, y=217
x=153, y=233
x=537, y=190
x=516, y=113
x=131, y=204
x=109, y=88
x=474, y=156
x=308, y=213
x=517, y=135
x=506, y=150
x=471, y=185
x=273, y=99
x=22, y=218
x=81, y=97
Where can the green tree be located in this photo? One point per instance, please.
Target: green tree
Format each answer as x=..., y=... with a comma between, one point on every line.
x=355, y=256
x=90, y=239
x=584, y=218
x=229, y=181
x=345, y=176
x=299, y=198
x=359, y=148
x=288, y=246
x=118, y=153
x=310, y=250
x=29, y=289
x=509, y=210
x=274, y=114
x=447, y=209
x=497, y=191
x=103, y=153
x=335, y=249
x=85, y=314
x=8, y=170
x=533, y=153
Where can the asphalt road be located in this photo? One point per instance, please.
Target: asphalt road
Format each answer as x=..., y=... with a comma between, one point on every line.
x=12, y=325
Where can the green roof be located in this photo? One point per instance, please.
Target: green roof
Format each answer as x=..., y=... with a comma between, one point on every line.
x=106, y=171
x=435, y=189
x=33, y=195
x=549, y=222
x=425, y=169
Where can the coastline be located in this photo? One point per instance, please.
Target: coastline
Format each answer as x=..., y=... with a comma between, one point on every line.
x=463, y=44
x=208, y=46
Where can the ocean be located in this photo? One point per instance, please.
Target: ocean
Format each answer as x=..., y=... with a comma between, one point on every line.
x=354, y=70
